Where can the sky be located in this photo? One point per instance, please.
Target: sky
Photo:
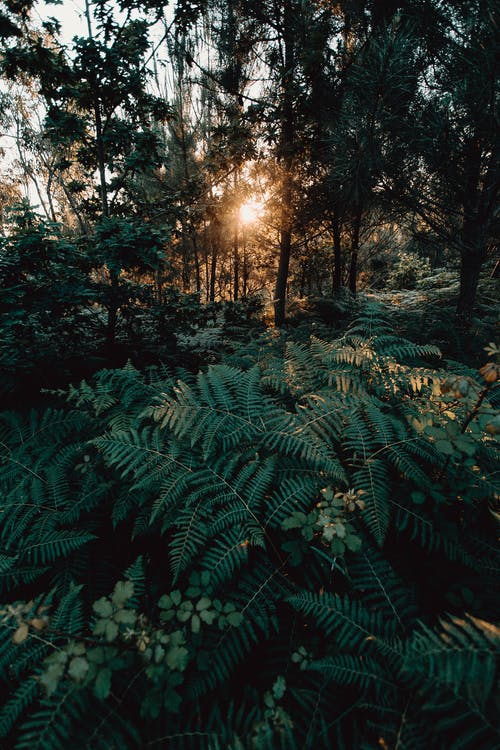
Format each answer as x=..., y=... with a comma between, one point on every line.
x=70, y=14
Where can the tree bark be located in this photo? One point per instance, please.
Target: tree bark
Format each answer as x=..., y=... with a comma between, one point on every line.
x=286, y=155
x=337, y=253
x=470, y=268
x=285, y=249
x=236, y=264
x=353, y=269
x=472, y=257
x=196, y=257
x=214, y=242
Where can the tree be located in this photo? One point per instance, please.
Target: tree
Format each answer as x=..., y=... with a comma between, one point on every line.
x=453, y=165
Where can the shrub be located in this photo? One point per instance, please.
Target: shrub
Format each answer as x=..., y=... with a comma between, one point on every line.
x=407, y=270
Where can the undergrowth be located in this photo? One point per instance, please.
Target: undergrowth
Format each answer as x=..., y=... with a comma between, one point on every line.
x=295, y=548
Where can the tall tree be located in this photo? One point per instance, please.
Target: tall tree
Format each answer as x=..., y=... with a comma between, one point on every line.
x=453, y=166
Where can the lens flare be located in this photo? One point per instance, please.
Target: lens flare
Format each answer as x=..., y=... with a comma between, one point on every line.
x=250, y=212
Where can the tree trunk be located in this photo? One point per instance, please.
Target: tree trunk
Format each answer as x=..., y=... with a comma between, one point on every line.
x=470, y=268
x=286, y=155
x=285, y=250
x=245, y=273
x=353, y=269
x=337, y=253
x=214, y=246
x=112, y=311
x=236, y=264
x=196, y=257
x=472, y=257
x=186, y=264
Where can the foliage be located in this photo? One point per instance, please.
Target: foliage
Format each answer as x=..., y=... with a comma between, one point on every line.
x=407, y=271
x=57, y=298
x=45, y=286
x=217, y=560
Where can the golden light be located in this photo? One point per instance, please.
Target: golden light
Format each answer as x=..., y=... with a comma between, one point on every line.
x=250, y=211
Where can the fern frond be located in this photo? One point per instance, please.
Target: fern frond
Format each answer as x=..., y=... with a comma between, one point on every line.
x=22, y=698
x=354, y=627
x=373, y=480
x=463, y=654
x=293, y=493
x=381, y=588
x=54, y=545
x=364, y=673
x=225, y=556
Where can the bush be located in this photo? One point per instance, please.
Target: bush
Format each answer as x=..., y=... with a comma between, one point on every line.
x=407, y=270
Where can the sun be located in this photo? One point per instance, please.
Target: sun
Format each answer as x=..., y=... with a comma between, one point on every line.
x=250, y=212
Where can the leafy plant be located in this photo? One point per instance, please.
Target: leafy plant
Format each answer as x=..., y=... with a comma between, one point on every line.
x=242, y=558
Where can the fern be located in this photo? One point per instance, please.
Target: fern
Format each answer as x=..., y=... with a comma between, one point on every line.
x=381, y=588
x=22, y=699
x=218, y=559
x=462, y=655
x=352, y=624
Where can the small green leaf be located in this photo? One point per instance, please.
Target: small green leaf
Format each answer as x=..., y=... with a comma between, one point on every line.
x=353, y=542
x=279, y=687
x=329, y=532
x=308, y=533
x=327, y=493
x=98, y=655
x=436, y=432
x=337, y=546
x=195, y=624
x=295, y=521
x=177, y=638
x=235, y=619
x=111, y=630
x=78, y=668
x=122, y=592
x=452, y=428
x=103, y=607
x=165, y=602
x=444, y=446
x=125, y=617
x=176, y=597
x=466, y=445
x=204, y=603
x=341, y=530
x=102, y=686
x=50, y=678
x=177, y=658
x=268, y=700
x=208, y=616
x=159, y=653
x=205, y=578
x=418, y=497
